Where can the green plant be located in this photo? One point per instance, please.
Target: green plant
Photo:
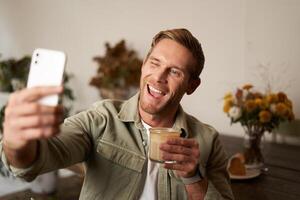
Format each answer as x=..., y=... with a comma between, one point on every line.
x=13, y=73
x=68, y=95
x=13, y=77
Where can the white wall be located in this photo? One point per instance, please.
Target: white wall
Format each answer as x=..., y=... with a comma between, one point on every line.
x=237, y=36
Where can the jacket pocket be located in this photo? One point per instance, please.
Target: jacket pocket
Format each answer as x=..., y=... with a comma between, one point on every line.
x=121, y=156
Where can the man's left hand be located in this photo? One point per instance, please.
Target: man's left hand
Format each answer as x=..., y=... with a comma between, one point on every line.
x=186, y=154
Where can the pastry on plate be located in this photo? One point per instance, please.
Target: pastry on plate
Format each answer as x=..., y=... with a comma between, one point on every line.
x=237, y=165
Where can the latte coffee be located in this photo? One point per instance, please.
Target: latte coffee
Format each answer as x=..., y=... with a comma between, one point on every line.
x=157, y=137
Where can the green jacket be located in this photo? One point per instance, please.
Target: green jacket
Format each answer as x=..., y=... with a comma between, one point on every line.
x=108, y=139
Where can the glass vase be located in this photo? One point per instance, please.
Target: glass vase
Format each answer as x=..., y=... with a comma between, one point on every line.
x=253, y=144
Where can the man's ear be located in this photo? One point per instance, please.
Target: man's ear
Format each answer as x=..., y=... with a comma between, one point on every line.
x=193, y=84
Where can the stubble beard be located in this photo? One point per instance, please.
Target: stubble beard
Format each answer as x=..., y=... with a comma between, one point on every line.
x=160, y=109
x=150, y=108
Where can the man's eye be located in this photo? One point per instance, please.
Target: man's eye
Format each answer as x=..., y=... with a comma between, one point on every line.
x=153, y=64
x=174, y=72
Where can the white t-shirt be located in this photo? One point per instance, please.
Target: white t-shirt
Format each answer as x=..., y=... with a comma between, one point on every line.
x=150, y=187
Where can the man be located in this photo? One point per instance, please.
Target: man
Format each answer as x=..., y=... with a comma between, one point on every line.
x=111, y=138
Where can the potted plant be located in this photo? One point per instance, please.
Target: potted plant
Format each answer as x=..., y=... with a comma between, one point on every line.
x=118, y=72
x=257, y=113
x=13, y=77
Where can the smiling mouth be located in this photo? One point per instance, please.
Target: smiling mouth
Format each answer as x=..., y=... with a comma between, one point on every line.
x=155, y=92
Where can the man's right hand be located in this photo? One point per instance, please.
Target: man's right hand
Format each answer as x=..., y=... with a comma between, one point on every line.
x=26, y=121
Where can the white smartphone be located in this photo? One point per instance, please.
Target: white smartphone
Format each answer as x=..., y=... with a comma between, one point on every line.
x=47, y=69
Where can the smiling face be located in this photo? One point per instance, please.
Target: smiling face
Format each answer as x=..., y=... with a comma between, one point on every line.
x=165, y=78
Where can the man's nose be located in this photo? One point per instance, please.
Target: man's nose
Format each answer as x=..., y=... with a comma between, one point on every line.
x=161, y=75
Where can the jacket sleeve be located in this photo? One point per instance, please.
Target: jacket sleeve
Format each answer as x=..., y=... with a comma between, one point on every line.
x=216, y=172
x=71, y=146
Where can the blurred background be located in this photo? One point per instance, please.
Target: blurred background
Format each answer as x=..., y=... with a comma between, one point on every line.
x=244, y=41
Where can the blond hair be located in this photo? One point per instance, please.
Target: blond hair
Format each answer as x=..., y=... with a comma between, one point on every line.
x=185, y=38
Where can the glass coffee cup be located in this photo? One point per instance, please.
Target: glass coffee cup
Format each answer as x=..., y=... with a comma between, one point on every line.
x=157, y=137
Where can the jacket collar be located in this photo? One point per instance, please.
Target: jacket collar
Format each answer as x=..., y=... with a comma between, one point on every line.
x=181, y=121
x=129, y=109
x=129, y=113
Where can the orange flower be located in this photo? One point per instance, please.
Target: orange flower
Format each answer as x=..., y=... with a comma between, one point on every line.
x=227, y=105
x=249, y=95
x=282, y=109
x=250, y=105
x=281, y=97
x=289, y=103
x=272, y=98
x=264, y=104
x=264, y=110
x=261, y=103
x=228, y=96
x=258, y=102
x=247, y=86
x=258, y=95
x=265, y=116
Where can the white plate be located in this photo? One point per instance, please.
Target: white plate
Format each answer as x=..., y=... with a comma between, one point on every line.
x=250, y=173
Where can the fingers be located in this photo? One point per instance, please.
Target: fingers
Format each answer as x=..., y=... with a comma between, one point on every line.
x=183, y=168
x=31, y=109
x=183, y=142
x=27, y=120
x=179, y=158
x=185, y=152
x=40, y=133
x=189, y=147
x=176, y=149
x=33, y=94
x=34, y=121
x=185, y=165
x=177, y=167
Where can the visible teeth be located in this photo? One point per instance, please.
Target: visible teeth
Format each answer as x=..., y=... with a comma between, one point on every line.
x=155, y=90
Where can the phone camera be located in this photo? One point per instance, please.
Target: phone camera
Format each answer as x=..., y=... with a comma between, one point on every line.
x=35, y=62
x=37, y=55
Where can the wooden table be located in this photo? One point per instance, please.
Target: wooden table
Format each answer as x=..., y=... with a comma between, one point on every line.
x=281, y=181
x=68, y=189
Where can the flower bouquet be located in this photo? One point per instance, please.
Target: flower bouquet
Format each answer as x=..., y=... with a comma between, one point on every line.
x=258, y=113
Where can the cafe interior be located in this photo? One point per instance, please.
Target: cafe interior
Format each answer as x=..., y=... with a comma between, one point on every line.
x=248, y=89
